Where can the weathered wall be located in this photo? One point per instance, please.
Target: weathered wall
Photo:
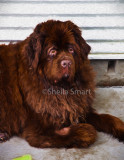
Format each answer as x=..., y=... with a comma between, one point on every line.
x=109, y=72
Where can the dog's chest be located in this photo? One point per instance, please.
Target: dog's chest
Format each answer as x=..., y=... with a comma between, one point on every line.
x=64, y=106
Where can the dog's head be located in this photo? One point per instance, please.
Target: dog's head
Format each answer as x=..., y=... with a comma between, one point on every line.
x=56, y=50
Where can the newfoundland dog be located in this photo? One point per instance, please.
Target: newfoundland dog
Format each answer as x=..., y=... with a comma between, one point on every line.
x=47, y=90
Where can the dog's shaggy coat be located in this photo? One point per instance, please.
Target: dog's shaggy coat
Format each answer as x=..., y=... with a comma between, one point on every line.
x=39, y=80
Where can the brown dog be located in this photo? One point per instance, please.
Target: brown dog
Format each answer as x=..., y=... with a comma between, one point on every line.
x=47, y=90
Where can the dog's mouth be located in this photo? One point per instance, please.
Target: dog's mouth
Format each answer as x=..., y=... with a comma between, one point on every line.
x=65, y=79
x=64, y=82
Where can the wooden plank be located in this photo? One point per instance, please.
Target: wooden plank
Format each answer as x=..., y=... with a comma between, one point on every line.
x=56, y=1
x=11, y=21
x=95, y=1
x=86, y=8
x=14, y=34
x=106, y=56
x=108, y=34
x=97, y=48
x=107, y=47
x=6, y=42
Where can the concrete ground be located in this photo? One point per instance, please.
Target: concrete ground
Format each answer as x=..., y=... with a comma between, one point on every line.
x=108, y=100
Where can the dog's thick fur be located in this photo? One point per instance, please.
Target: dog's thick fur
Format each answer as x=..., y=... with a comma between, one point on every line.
x=30, y=76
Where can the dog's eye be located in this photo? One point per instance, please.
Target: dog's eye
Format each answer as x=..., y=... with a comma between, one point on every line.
x=52, y=52
x=71, y=50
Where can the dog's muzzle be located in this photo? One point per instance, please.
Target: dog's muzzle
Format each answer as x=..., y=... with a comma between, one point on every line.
x=66, y=66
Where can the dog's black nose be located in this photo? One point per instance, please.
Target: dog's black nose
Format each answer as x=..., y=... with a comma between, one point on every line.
x=65, y=63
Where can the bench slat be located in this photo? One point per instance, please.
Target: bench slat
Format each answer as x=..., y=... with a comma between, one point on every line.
x=102, y=21
x=10, y=21
x=86, y=8
x=97, y=48
x=83, y=1
x=107, y=34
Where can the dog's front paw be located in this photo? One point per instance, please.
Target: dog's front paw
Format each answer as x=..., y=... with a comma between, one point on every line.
x=120, y=134
x=3, y=137
x=118, y=130
x=82, y=135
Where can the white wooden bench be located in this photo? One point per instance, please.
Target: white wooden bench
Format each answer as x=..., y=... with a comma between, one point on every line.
x=101, y=22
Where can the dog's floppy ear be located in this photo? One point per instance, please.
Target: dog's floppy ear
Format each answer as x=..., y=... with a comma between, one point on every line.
x=84, y=47
x=34, y=45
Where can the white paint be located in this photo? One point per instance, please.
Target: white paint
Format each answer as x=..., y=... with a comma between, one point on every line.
x=102, y=47
x=14, y=34
x=72, y=8
x=66, y=0
x=106, y=56
x=41, y=8
x=108, y=47
x=87, y=34
x=109, y=34
x=97, y=21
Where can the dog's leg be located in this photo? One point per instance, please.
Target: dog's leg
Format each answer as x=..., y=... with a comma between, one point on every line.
x=3, y=137
x=5, y=132
x=107, y=123
x=78, y=136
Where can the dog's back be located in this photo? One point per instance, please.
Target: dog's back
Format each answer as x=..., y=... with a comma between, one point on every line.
x=7, y=67
x=10, y=97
